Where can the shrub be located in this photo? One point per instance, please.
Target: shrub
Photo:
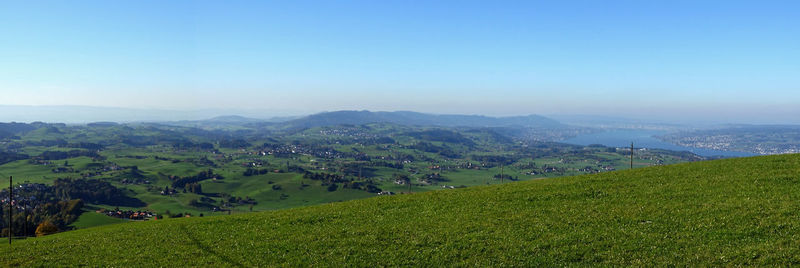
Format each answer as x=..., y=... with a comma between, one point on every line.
x=332, y=187
x=46, y=228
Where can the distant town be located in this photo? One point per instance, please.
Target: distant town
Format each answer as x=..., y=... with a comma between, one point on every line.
x=762, y=140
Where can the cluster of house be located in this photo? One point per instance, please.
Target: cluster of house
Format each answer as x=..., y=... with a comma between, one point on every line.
x=547, y=169
x=32, y=187
x=24, y=201
x=589, y=169
x=286, y=150
x=113, y=167
x=98, y=172
x=128, y=214
x=134, y=181
x=253, y=164
x=596, y=170
x=347, y=132
x=218, y=209
x=168, y=191
x=467, y=165
x=40, y=162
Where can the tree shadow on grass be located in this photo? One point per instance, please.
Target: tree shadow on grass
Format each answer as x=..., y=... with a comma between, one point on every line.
x=207, y=249
x=127, y=201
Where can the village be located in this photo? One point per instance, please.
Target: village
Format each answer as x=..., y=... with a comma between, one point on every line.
x=128, y=214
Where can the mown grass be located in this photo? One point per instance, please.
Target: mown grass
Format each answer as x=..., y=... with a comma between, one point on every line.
x=715, y=213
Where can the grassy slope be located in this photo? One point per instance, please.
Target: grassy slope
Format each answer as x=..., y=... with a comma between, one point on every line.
x=93, y=219
x=737, y=211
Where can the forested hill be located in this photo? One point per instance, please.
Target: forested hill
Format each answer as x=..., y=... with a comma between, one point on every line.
x=714, y=213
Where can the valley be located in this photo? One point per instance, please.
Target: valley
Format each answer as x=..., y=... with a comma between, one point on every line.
x=170, y=170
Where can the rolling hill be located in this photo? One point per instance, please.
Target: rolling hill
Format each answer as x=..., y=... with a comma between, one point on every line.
x=417, y=119
x=406, y=118
x=714, y=213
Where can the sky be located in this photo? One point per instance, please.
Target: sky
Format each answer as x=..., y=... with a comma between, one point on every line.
x=676, y=60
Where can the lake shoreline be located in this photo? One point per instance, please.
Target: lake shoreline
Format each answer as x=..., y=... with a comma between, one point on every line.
x=645, y=139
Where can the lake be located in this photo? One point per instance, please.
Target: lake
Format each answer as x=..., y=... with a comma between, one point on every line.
x=644, y=139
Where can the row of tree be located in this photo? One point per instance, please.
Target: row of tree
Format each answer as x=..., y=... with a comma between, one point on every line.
x=333, y=180
x=92, y=191
x=58, y=155
x=255, y=171
x=181, y=182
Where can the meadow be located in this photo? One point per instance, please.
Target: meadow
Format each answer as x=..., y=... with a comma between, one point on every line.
x=713, y=213
x=143, y=160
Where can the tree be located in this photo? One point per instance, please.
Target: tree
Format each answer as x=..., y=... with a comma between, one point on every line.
x=193, y=188
x=46, y=228
x=332, y=187
x=405, y=179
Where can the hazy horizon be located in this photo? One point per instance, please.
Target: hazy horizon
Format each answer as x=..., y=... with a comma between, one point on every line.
x=77, y=114
x=676, y=61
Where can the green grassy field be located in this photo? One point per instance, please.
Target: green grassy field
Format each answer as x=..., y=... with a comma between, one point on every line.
x=714, y=213
x=92, y=219
x=144, y=159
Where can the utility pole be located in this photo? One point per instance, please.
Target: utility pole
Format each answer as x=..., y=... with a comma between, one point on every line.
x=10, y=207
x=501, y=172
x=25, y=222
x=631, y=155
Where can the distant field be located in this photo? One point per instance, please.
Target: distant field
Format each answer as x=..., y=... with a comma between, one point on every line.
x=142, y=160
x=714, y=213
x=93, y=219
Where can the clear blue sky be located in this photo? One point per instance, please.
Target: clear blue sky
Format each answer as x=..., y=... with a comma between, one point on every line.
x=659, y=59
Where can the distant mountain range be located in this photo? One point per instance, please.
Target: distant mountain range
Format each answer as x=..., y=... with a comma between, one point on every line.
x=418, y=119
x=367, y=117
x=86, y=114
x=343, y=118
x=211, y=118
